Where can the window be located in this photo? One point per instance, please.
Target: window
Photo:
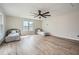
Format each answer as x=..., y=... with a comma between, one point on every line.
x=0, y=29
x=1, y=25
x=27, y=25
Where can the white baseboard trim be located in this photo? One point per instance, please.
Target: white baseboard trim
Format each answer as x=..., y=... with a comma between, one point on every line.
x=65, y=37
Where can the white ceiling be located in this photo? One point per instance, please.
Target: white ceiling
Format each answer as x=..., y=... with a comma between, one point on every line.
x=26, y=9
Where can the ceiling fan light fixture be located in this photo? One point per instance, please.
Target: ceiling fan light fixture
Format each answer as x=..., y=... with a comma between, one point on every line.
x=40, y=14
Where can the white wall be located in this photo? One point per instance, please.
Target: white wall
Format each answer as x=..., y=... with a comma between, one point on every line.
x=66, y=25
x=16, y=22
x=13, y=22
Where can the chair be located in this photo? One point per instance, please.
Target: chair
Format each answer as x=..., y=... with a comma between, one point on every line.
x=12, y=35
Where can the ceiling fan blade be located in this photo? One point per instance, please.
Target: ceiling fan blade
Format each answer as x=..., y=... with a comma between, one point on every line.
x=45, y=13
x=43, y=16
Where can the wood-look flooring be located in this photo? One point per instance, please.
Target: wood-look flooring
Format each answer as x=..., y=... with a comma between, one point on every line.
x=40, y=45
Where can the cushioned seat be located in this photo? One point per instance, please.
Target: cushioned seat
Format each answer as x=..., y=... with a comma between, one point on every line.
x=12, y=35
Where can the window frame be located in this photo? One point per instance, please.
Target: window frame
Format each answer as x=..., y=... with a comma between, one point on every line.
x=2, y=25
x=28, y=20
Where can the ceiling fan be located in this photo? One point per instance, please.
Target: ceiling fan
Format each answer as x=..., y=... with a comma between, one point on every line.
x=40, y=14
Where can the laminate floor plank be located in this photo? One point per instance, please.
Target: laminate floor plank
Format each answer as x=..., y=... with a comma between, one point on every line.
x=40, y=45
